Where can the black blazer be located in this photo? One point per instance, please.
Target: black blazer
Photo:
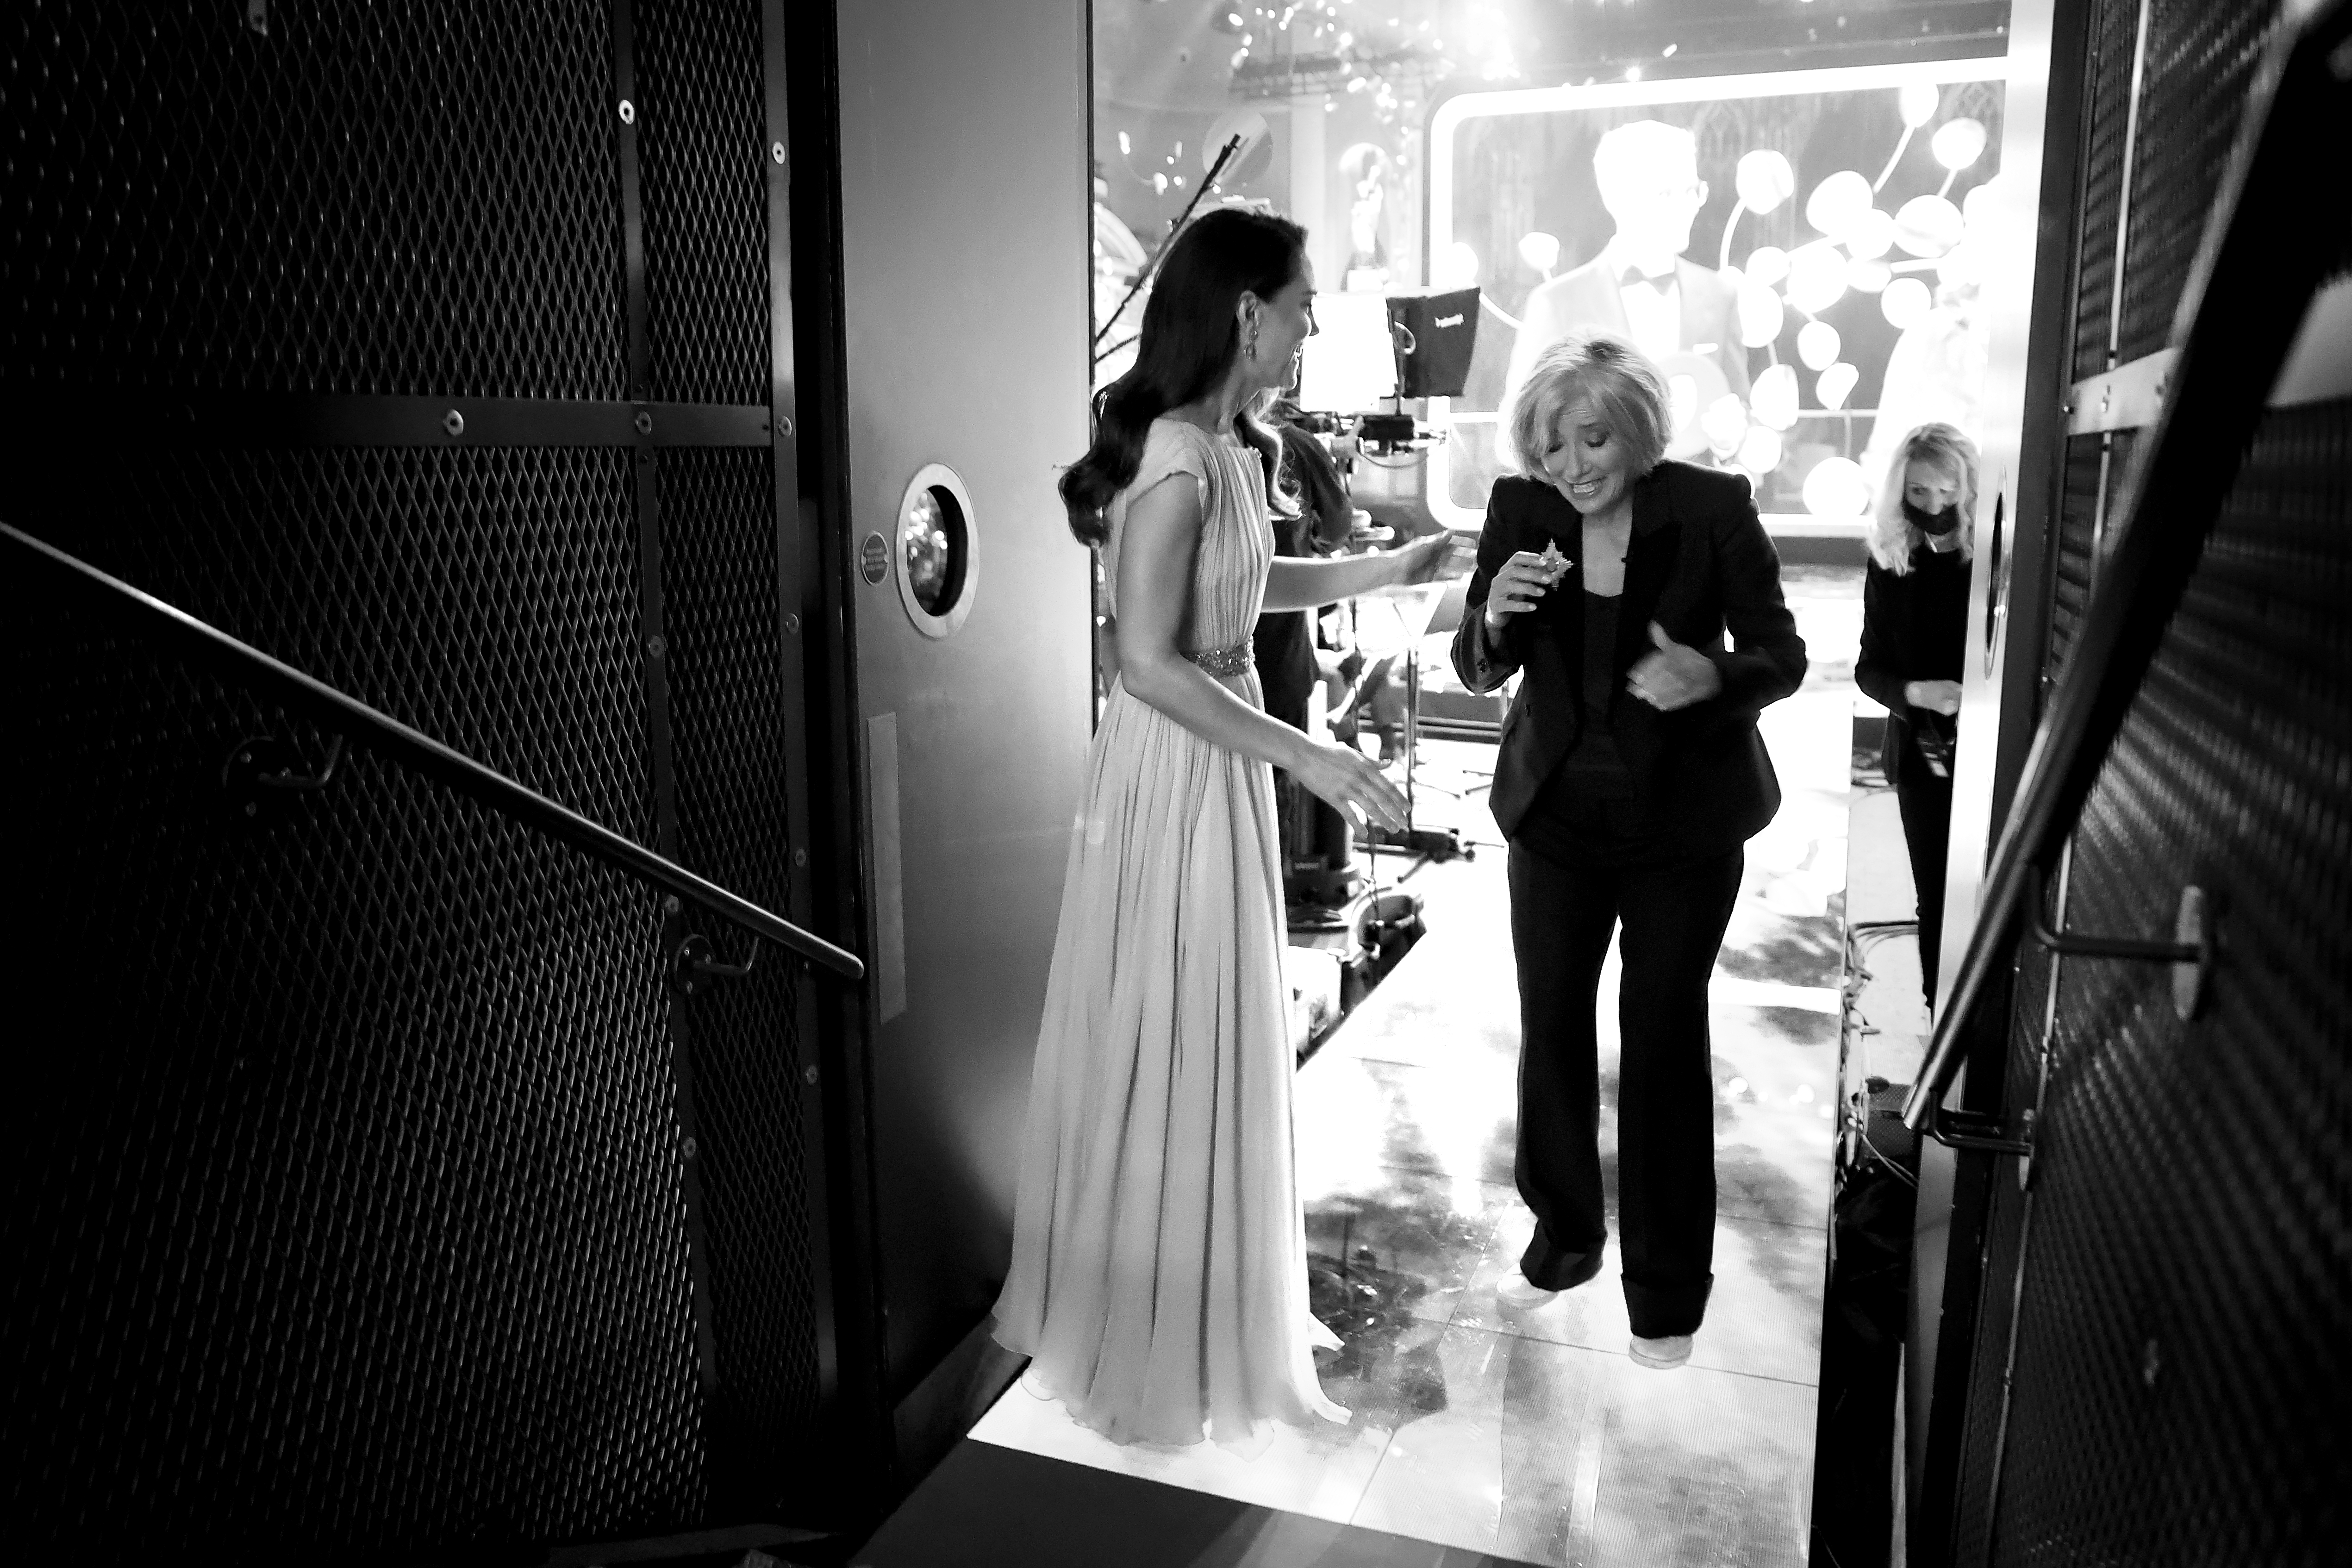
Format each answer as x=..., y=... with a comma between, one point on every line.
x=1700, y=565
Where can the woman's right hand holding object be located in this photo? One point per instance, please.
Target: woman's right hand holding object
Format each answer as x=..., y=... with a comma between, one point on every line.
x=1524, y=580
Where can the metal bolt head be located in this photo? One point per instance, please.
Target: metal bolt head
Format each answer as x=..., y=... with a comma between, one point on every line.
x=644, y=422
x=251, y=809
x=791, y=625
x=689, y=1149
x=776, y=151
x=454, y=423
x=808, y=1075
x=784, y=425
x=629, y=112
x=671, y=905
x=799, y=856
x=656, y=645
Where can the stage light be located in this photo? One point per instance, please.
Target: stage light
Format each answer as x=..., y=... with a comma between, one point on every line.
x=1836, y=487
x=1927, y=226
x=1458, y=265
x=1817, y=345
x=1760, y=314
x=1835, y=385
x=1904, y=302
x=1725, y=422
x=1867, y=276
x=1768, y=263
x=1871, y=234
x=1773, y=398
x=1763, y=181
x=1958, y=143
x=1837, y=202
x=1759, y=451
x=1917, y=102
x=1816, y=276
x=1539, y=250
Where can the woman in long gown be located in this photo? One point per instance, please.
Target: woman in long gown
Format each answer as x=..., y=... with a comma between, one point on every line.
x=1159, y=1272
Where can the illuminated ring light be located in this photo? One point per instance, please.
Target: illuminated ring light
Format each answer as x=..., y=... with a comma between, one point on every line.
x=938, y=527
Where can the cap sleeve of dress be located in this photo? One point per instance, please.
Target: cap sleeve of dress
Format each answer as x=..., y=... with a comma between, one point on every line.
x=1170, y=448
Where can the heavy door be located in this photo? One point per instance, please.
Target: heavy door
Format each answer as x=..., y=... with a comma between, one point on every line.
x=963, y=308
x=2136, y=1362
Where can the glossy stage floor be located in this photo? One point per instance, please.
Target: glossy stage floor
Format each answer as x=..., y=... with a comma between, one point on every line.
x=1476, y=1433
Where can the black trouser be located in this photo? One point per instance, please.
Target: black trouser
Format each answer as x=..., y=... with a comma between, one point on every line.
x=1673, y=916
x=1925, y=802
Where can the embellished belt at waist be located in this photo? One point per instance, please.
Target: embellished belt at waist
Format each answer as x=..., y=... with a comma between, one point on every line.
x=1234, y=660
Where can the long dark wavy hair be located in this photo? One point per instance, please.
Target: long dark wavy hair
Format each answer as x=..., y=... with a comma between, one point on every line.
x=1190, y=335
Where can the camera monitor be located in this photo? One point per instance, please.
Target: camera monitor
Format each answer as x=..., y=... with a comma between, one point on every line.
x=1432, y=334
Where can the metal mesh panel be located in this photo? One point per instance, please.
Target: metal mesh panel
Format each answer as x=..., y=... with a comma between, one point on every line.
x=384, y=198
x=729, y=706
x=2107, y=110
x=703, y=159
x=353, y=1213
x=487, y=595
x=2200, y=65
x=2079, y=520
x=2005, y=1240
x=2183, y=1388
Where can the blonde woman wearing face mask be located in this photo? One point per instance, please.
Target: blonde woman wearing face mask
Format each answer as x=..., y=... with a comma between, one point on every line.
x=1639, y=601
x=1915, y=605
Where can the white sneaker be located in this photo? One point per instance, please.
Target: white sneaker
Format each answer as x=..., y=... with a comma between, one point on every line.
x=1520, y=1295
x=1665, y=1351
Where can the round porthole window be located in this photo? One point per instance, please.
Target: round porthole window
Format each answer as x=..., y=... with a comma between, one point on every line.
x=936, y=559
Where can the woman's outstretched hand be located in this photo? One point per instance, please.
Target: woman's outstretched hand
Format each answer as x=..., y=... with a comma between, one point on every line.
x=1352, y=782
x=1520, y=586
x=1423, y=561
x=1671, y=675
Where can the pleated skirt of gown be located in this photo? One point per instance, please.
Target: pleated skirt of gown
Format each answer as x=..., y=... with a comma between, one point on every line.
x=1158, y=1273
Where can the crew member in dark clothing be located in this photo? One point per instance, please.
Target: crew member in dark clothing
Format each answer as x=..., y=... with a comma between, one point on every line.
x=1642, y=600
x=1284, y=641
x=1313, y=832
x=1914, y=604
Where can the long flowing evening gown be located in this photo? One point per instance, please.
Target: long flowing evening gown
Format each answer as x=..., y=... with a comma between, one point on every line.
x=1158, y=1273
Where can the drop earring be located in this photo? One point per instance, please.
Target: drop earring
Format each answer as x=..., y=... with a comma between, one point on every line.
x=1250, y=348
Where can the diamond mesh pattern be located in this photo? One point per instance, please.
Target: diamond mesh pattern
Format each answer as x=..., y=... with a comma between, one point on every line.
x=474, y=592
x=2078, y=524
x=2113, y=26
x=702, y=163
x=2200, y=63
x=728, y=708
x=353, y=1214
x=372, y=198
x=2183, y=1390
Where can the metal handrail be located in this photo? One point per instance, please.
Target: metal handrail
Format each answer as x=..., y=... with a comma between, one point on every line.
x=348, y=715
x=2263, y=254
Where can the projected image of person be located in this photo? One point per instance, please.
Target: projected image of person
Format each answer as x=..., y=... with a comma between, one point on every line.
x=1915, y=610
x=1639, y=287
x=1157, y=1280
x=1630, y=778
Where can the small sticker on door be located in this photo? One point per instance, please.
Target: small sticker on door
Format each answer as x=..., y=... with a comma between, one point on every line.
x=873, y=559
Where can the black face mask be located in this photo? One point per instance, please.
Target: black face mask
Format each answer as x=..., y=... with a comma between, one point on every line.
x=1934, y=523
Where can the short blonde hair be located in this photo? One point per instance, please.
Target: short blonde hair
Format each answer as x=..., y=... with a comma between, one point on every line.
x=1942, y=447
x=1626, y=392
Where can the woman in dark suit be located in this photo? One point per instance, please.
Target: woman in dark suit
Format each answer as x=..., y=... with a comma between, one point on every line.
x=1631, y=776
